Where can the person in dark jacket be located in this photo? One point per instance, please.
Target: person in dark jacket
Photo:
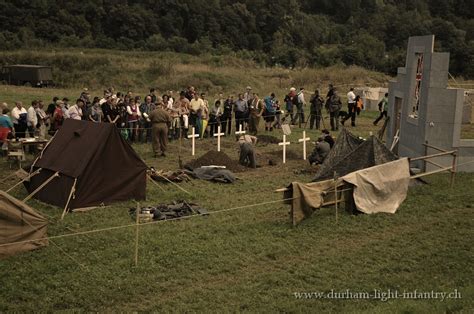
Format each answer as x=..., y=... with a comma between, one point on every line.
x=320, y=152
x=333, y=106
x=317, y=103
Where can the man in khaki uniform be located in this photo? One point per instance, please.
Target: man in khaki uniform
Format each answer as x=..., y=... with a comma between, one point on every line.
x=160, y=122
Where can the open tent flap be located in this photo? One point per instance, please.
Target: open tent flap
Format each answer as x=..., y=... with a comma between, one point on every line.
x=19, y=222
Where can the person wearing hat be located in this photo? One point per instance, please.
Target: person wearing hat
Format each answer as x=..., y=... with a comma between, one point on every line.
x=320, y=152
x=160, y=121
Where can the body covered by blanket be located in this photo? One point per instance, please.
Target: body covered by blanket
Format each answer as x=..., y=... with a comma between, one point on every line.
x=214, y=174
x=382, y=188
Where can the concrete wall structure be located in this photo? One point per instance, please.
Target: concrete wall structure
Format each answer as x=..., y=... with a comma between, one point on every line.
x=371, y=96
x=438, y=117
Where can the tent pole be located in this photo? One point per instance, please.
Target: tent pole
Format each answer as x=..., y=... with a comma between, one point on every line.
x=41, y=186
x=27, y=178
x=173, y=183
x=149, y=178
x=136, y=234
x=73, y=189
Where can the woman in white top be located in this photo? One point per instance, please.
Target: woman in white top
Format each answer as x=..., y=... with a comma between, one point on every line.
x=19, y=117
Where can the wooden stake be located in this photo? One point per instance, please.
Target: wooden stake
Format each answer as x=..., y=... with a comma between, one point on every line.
x=136, y=234
x=335, y=193
x=73, y=189
x=453, y=169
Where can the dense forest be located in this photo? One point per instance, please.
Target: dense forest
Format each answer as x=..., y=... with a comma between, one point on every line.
x=369, y=33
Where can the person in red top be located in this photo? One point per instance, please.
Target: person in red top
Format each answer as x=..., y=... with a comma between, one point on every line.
x=58, y=116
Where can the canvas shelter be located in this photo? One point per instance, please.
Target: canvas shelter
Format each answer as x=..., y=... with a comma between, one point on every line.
x=351, y=153
x=20, y=223
x=87, y=164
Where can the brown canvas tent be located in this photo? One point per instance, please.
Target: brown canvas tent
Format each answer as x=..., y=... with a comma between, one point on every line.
x=20, y=223
x=350, y=154
x=94, y=166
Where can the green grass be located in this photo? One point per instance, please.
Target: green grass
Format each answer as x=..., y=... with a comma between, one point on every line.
x=248, y=259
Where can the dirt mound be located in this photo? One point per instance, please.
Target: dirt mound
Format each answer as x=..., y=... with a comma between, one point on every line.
x=215, y=158
x=267, y=139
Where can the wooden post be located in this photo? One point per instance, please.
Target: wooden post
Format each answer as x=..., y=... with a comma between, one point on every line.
x=453, y=169
x=426, y=154
x=304, y=140
x=193, y=136
x=218, y=135
x=284, y=143
x=335, y=193
x=136, y=234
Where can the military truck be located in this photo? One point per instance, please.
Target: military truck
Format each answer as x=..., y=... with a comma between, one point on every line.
x=27, y=75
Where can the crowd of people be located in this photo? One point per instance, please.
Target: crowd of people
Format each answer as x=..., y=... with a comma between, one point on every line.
x=179, y=114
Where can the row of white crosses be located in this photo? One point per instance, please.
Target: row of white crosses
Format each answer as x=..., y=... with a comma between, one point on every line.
x=193, y=136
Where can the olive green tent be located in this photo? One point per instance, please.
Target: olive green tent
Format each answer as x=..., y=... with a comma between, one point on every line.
x=21, y=227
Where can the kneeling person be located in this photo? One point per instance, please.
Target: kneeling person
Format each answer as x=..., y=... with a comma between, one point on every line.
x=247, y=153
x=320, y=152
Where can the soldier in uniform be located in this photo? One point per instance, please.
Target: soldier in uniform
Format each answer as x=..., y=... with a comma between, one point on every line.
x=160, y=122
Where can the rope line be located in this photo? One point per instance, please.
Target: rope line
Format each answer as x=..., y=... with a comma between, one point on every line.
x=147, y=223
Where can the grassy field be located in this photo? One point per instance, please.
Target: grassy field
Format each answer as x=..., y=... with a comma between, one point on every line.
x=249, y=259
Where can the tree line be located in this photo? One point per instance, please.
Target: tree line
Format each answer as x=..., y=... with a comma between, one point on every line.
x=369, y=33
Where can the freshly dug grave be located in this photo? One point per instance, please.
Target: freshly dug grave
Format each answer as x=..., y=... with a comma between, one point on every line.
x=289, y=154
x=215, y=158
x=267, y=139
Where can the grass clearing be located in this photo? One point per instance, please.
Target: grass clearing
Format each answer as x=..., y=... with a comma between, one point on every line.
x=249, y=259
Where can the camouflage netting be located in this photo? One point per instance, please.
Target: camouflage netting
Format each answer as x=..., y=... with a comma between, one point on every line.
x=350, y=154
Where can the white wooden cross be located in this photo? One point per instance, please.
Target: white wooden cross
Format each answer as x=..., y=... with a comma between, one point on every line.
x=284, y=143
x=218, y=135
x=240, y=131
x=193, y=136
x=304, y=139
